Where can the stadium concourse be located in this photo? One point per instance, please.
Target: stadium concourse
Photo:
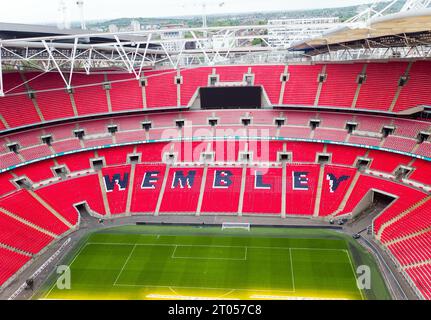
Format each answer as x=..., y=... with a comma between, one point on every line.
x=329, y=142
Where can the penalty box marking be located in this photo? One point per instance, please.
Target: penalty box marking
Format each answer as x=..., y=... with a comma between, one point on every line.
x=204, y=245
x=174, y=256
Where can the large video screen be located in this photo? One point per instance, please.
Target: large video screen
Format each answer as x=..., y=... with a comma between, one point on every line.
x=231, y=97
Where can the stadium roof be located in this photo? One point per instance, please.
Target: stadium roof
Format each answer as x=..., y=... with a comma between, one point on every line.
x=402, y=29
x=10, y=31
x=20, y=30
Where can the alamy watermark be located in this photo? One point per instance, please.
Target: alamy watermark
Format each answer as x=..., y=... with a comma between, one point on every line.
x=363, y=280
x=64, y=281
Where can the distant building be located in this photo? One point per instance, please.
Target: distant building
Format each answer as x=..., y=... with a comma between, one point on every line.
x=135, y=25
x=173, y=34
x=113, y=28
x=291, y=30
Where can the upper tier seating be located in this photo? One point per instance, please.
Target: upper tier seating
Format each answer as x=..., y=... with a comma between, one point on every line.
x=161, y=90
x=269, y=78
x=36, y=152
x=126, y=93
x=53, y=104
x=424, y=149
x=340, y=87
x=17, y=109
x=418, y=88
x=401, y=144
x=193, y=79
x=90, y=99
x=89, y=96
x=378, y=91
x=301, y=89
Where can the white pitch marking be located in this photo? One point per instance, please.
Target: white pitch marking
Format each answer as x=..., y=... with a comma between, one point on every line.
x=125, y=263
x=208, y=258
x=354, y=273
x=173, y=253
x=200, y=288
x=291, y=267
x=77, y=255
x=207, y=246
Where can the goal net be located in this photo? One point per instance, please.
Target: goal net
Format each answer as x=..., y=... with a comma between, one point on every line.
x=235, y=225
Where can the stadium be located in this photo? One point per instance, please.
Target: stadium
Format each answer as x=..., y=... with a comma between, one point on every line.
x=188, y=163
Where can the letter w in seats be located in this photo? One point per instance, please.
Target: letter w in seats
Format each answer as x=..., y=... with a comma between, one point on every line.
x=116, y=179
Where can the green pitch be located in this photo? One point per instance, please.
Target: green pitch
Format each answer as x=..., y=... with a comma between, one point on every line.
x=147, y=262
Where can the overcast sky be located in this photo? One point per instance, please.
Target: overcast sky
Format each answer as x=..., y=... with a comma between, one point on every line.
x=47, y=11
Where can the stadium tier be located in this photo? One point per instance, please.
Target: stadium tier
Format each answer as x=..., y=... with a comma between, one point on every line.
x=154, y=185
x=278, y=162
x=332, y=127
x=326, y=85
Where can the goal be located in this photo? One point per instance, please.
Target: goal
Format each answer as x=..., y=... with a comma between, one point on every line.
x=235, y=225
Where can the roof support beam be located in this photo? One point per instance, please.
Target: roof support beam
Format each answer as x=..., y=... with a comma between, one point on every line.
x=48, y=49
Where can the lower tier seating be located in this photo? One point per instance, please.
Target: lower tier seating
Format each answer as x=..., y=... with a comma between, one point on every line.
x=10, y=263
x=421, y=276
x=413, y=250
x=17, y=235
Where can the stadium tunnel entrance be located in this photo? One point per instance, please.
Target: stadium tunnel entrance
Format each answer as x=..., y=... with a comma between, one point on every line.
x=373, y=204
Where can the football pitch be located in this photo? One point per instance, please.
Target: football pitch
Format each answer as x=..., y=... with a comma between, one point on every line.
x=161, y=262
